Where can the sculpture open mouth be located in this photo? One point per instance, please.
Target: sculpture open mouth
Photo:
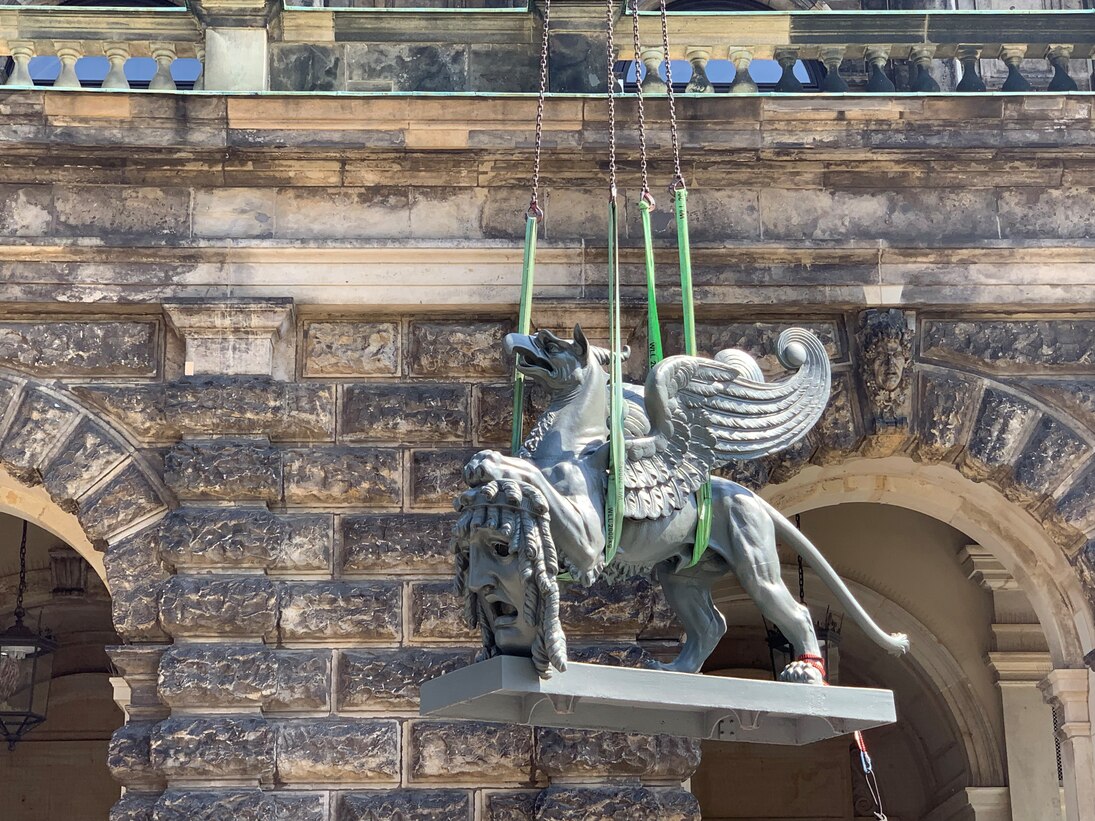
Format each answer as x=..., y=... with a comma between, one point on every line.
x=529, y=359
x=503, y=613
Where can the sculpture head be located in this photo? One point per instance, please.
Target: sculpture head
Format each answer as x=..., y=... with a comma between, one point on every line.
x=560, y=365
x=506, y=569
x=887, y=349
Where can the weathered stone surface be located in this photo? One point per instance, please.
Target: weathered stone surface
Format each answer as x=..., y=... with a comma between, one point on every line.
x=240, y=805
x=493, y=415
x=423, y=412
x=341, y=611
x=435, y=474
x=224, y=470
x=351, y=349
x=406, y=67
x=397, y=543
x=217, y=675
x=25, y=210
x=621, y=609
x=574, y=63
x=1075, y=507
x=85, y=457
x=755, y=338
x=566, y=753
x=214, y=747
x=35, y=430
x=1052, y=453
x=338, y=751
x=136, y=578
x=419, y=805
x=461, y=750
x=611, y=655
x=380, y=212
x=438, y=613
x=999, y=434
x=1006, y=346
x=343, y=476
x=125, y=499
x=944, y=413
x=234, y=212
x=837, y=433
x=128, y=756
x=296, y=66
x=246, y=537
x=67, y=348
x=389, y=679
x=616, y=803
x=134, y=806
x=502, y=69
x=303, y=681
x=511, y=806
x=464, y=348
x=121, y=211
x=219, y=606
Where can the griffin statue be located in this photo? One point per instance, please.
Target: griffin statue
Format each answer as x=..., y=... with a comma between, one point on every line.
x=525, y=518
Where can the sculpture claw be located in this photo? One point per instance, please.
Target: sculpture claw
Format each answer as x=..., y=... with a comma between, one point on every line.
x=802, y=672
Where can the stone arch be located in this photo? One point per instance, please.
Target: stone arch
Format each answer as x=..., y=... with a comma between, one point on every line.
x=65, y=468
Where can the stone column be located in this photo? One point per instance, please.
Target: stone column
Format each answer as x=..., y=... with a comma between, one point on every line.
x=1070, y=692
x=236, y=53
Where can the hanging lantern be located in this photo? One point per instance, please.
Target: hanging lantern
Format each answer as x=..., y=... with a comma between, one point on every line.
x=26, y=667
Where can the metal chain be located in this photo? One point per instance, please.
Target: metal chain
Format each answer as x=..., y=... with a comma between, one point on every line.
x=20, y=611
x=678, y=177
x=610, y=10
x=646, y=195
x=534, y=208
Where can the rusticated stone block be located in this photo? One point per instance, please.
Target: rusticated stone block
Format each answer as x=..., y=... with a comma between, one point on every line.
x=1050, y=455
x=947, y=403
x=612, y=655
x=389, y=679
x=1075, y=507
x=84, y=459
x=837, y=433
x=419, y=412
x=351, y=349
x=343, y=476
x=461, y=348
x=341, y=611
x=607, y=608
x=569, y=753
x=128, y=756
x=459, y=750
x=494, y=412
x=419, y=805
x=397, y=543
x=8, y=391
x=79, y=349
x=217, y=675
x=136, y=578
x=338, y=751
x=1012, y=346
x=246, y=537
x=303, y=681
x=616, y=803
x=224, y=470
x=998, y=435
x=134, y=806
x=219, y=606
x=35, y=430
x=240, y=805
x=511, y=806
x=214, y=747
x=438, y=613
x=125, y=499
x=437, y=476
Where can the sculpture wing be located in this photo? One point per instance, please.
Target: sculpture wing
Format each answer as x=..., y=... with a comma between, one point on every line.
x=706, y=412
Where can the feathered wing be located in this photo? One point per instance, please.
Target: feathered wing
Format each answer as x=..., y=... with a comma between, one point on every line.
x=706, y=412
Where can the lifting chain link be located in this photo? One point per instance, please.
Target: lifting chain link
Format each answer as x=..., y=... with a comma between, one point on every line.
x=610, y=28
x=646, y=195
x=534, y=208
x=678, y=177
x=20, y=611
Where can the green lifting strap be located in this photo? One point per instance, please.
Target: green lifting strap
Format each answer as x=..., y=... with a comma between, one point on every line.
x=524, y=325
x=614, y=500
x=703, y=495
x=653, y=326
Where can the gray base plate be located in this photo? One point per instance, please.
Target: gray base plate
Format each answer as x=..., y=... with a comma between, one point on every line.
x=592, y=696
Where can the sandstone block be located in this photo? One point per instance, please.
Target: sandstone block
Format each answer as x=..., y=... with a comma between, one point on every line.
x=466, y=348
x=128, y=756
x=568, y=753
x=303, y=681
x=240, y=805
x=998, y=435
x=343, y=476
x=620, y=609
x=374, y=412
x=947, y=403
x=837, y=433
x=35, y=430
x=224, y=470
x=610, y=803
x=81, y=349
x=219, y=606
x=406, y=67
x=1075, y=507
x=338, y=751
x=341, y=611
x=217, y=675
x=511, y=806
x=351, y=349
x=1051, y=454
x=497, y=68
x=573, y=64
x=1011, y=346
x=85, y=457
x=127, y=498
x=121, y=211
x=214, y=747
x=437, y=477
x=463, y=750
x=136, y=578
x=397, y=543
x=420, y=805
x=438, y=613
x=134, y=806
x=296, y=66
x=493, y=416
x=25, y=210
x=234, y=212
x=334, y=213
x=389, y=679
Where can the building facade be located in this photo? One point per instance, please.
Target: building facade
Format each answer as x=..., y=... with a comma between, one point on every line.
x=255, y=265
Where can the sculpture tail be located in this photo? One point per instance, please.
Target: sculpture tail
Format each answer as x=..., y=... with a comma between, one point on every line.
x=896, y=643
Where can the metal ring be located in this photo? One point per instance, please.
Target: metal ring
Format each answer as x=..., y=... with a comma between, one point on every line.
x=535, y=211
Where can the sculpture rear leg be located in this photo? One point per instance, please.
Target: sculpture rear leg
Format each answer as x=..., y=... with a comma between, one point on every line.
x=689, y=595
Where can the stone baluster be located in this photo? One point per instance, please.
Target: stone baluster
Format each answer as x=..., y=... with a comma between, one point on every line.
x=879, y=82
x=970, y=58
x=199, y=81
x=921, y=57
x=68, y=53
x=117, y=53
x=831, y=59
x=743, y=83
x=1013, y=55
x=164, y=55
x=700, y=82
x=652, y=83
x=21, y=52
x=788, y=82
x=1058, y=57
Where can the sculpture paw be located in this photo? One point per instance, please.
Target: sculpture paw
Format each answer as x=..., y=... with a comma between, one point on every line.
x=483, y=467
x=802, y=672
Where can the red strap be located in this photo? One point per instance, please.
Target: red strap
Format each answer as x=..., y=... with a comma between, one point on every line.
x=818, y=663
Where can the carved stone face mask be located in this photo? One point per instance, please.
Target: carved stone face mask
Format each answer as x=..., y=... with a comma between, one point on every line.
x=494, y=576
x=889, y=368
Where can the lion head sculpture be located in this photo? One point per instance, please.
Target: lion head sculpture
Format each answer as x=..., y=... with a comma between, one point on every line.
x=506, y=571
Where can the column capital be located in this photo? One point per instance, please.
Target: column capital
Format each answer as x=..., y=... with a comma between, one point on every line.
x=235, y=13
x=233, y=337
x=1018, y=667
x=1069, y=691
